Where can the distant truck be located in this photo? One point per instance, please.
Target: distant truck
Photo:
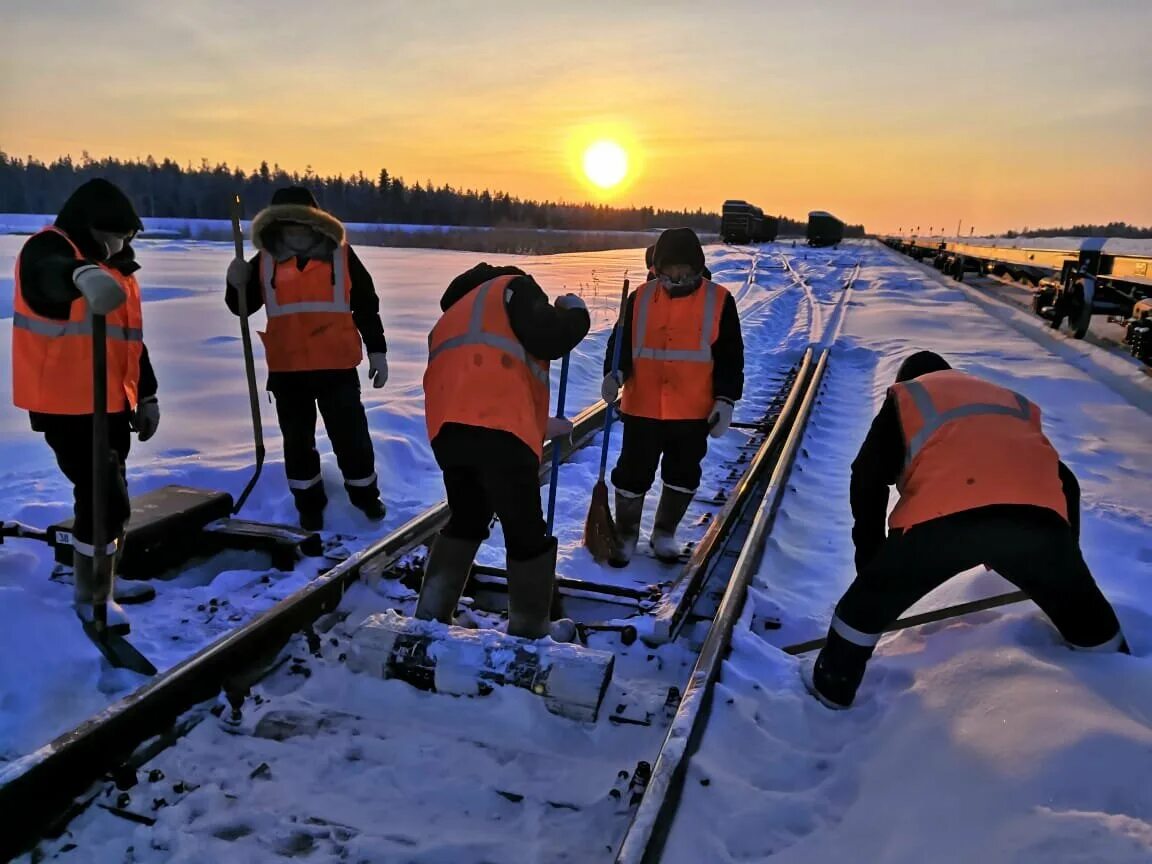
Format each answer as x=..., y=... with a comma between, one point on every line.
x=741, y=222
x=824, y=229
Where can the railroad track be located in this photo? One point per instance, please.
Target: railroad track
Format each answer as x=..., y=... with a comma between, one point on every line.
x=94, y=764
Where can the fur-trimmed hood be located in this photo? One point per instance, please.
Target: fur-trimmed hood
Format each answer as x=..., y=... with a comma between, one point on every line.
x=268, y=220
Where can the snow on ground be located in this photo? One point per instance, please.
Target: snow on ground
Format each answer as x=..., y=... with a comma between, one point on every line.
x=377, y=771
x=50, y=676
x=976, y=739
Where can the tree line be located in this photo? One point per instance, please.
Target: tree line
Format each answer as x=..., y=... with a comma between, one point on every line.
x=168, y=189
x=1112, y=229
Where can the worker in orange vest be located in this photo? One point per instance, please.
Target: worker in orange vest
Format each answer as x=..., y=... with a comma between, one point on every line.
x=321, y=303
x=486, y=403
x=83, y=264
x=682, y=372
x=979, y=484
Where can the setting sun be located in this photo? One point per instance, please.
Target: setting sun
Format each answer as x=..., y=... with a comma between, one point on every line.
x=605, y=164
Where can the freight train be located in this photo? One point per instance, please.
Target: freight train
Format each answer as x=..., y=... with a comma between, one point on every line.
x=741, y=222
x=824, y=229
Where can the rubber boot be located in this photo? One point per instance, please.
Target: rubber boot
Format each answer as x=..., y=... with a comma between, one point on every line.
x=673, y=505
x=129, y=591
x=445, y=574
x=629, y=509
x=530, y=585
x=91, y=587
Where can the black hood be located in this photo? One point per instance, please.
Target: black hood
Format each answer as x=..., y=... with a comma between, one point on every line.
x=921, y=363
x=101, y=205
x=470, y=280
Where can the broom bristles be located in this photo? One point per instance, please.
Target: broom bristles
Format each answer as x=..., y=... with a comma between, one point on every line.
x=600, y=529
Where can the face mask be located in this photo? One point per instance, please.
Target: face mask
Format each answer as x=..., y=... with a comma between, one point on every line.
x=114, y=245
x=683, y=285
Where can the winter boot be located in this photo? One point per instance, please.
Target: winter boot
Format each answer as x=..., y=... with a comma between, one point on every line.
x=673, y=505
x=374, y=510
x=129, y=591
x=530, y=585
x=92, y=588
x=366, y=498
x=445, y=574
x=312, y=520
x=629, y=509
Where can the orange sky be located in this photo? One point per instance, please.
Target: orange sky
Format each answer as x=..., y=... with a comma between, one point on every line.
x=886, y=113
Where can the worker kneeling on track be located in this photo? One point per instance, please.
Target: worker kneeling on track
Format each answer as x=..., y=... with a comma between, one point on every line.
x=682, y=371
x=979, y=484
x=320, y=303
x=83, y=264
x=486, y=394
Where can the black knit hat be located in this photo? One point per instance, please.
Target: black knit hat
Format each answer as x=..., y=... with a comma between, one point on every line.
x=648, y=255
x=678, y=246
x=920, y=363
x=298, y=195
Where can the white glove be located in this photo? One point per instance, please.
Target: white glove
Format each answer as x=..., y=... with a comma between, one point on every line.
x=146, y=417
x=558, y=427
x=99, y=288
x=610, y=387
x=571, y=301
x=239, y=272
x=378, y=368
x=720, y=418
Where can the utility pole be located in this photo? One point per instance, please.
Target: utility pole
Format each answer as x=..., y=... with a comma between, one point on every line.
x=959, y=222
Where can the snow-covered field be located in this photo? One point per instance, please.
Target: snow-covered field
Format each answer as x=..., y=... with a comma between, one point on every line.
x=974, y=740
x=50, y=677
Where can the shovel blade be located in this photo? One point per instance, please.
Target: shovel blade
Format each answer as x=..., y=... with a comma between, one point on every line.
x=117, y=650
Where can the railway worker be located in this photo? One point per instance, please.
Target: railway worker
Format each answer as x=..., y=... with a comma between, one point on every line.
x=82, y=264
x=321, y=304
x=486, y=404
x=979, y=484
x=682, y=372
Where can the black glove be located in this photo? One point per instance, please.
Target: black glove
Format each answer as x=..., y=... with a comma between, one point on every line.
x=146, y=418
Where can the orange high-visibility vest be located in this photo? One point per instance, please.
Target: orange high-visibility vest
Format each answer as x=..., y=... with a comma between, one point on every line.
x=672, y=352
x=480, y=375
x=969, y=444
x=309, y=312
x=52, y=359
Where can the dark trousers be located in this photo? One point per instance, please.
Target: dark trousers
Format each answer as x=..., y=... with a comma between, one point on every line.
x=486, y=475
x=338, y=399
x=1031, y=547
x=71, y=441
x=676, y=446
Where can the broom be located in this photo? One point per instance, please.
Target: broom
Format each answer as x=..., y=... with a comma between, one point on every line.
x=599, y=529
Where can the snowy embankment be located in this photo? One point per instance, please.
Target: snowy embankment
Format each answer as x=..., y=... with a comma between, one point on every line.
x=50, y=676
x=978, y=739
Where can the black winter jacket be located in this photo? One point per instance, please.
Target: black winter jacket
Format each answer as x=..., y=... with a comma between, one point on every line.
x=727, y=351
x=545, y=332
x=47, y=261
x=878, y=466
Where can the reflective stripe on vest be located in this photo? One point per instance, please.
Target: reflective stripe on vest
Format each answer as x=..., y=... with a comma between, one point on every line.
x=339, y=302
x=477, y=335
x=932, y=419
x=703, y=354
x=42, y=327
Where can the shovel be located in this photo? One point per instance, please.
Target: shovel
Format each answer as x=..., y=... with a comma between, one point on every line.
x=115, y=648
